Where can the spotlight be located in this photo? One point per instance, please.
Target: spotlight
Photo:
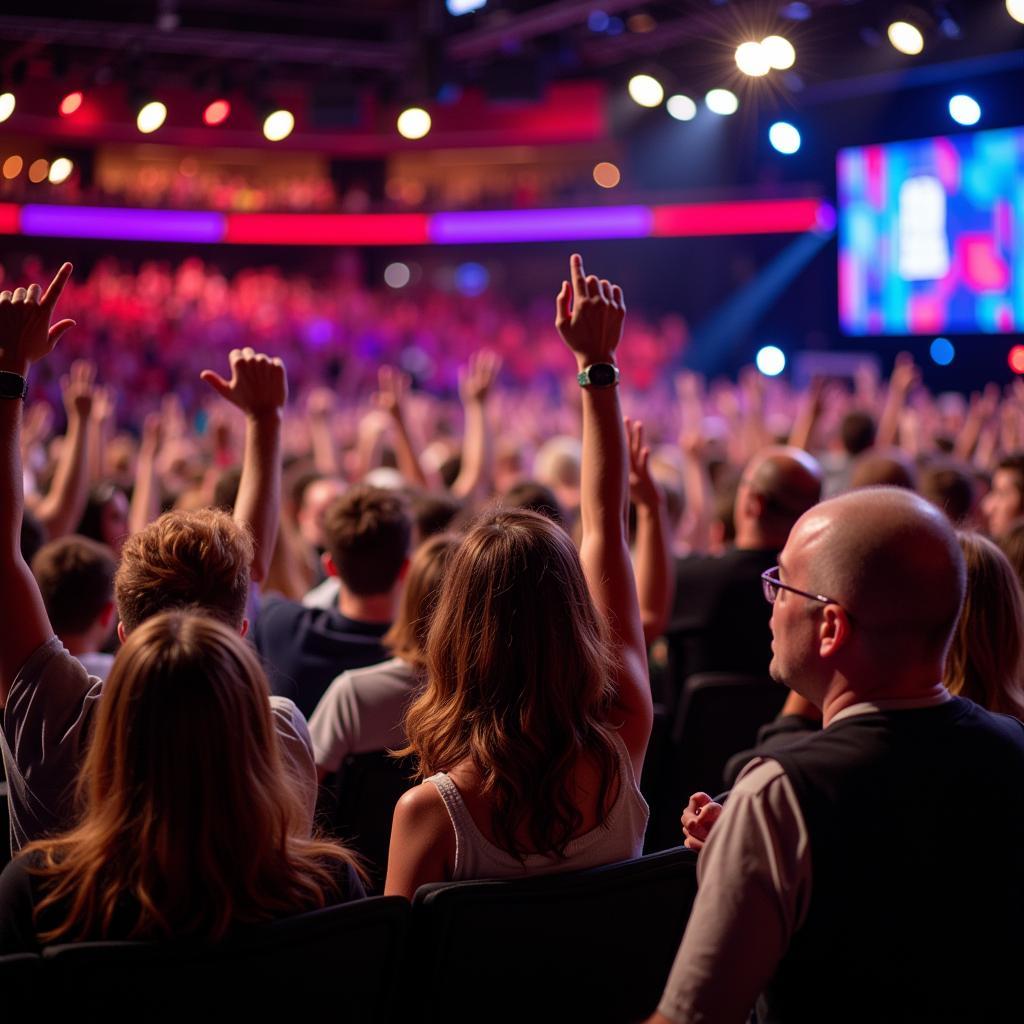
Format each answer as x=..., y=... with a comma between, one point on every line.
x=278, y=125
x=784, y=137
x=150, y=117
x=1015, y=9
x=1016, y=358
x=682, y=108
x=905, y=37
x=12, y=166
x=216, y=112
x=770, y=360
x=964, y=109
x=722, y=101
x=942, y=351
x=779, y=51
x=459, y=7
x=38, y=171
x=607, y=174
x=60, y=170
x=397, y=275
x=752, y=60
x=413, y=123
x=70, y=103
x=646, y=91
x=6, y=105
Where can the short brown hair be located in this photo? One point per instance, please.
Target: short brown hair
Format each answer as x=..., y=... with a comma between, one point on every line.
x=197, y=560
x=368, y=531
x=76, y=578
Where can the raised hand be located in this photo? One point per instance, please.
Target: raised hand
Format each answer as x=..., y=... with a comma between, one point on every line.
x=258, y=385
x=643, y=488
x=700, y=815
x=78, y=389
x=588, y=314
x=477, y=377
x=104, y=404
x=392, y=385
x=320, y=404
x=26, y=334
x=904, y=374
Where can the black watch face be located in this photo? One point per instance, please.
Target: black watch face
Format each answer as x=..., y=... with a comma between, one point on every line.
x=602, y=375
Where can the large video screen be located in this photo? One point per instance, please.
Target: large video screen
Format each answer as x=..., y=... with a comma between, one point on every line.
x=931, y=235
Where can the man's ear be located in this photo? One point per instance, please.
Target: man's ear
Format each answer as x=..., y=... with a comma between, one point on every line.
x=121, y=634
x=328, y=563
x=834, y=632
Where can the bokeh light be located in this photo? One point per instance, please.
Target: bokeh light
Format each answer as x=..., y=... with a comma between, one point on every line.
x=779, y=51
x=397, y=275
x=38, y=170
x=151, y=116
x=13, y=166
x=752, y=60
x=770, y=360
x=722, y=101
x=471, y=278
x=905, y=37
x=964, y=109
x=646, y=90
x=60, y=170
x=6, y=105
x=607, y=174
x=413, y=123
x=1016, y=359
x=216, y=112
x=1015, y=9
x=784, y=137
x=70, y=103
x=942, y=352
x=681, y=107
x=278, y=125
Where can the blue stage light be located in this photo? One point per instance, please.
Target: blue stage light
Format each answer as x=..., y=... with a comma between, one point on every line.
x=784, y=137
x=942, y=351
x=771, y=360
x=964, y=109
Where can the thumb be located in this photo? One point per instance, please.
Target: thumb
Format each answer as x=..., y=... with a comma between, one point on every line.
x=58, y=329
x=217, y=382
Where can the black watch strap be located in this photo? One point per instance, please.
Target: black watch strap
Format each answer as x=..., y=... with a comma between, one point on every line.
x=13, y=385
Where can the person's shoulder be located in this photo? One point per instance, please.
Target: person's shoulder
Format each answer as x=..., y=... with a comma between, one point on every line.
x=62, y=674
x=394, y=670
x=1003, y=728
x=760, y=775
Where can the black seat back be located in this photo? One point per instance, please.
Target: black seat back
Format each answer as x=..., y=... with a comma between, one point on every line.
x=593, y=945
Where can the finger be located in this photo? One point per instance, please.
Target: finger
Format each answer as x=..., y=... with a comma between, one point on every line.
x=52, y=294
x=20, y=294
x=5, y=296
x=248, y=352
x=606, y=289
x=593, y=287
x=217, y=382
x=693, y=844
x=58, y=329
x=33, y=293
x=617, y=297
x=577, y=276
x=562, y=304
x=699, y=800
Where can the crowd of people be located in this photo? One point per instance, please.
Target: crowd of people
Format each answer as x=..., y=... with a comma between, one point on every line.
x=214, y=596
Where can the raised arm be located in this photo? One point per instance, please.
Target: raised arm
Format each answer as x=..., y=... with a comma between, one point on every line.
x=320, y=416
x=475, y=479
x=655, y=581
x=26, y=336
x=589, y=316
x=259, y=387
x=392, y=385
x=145, y=504
x=61, y=510
x=904, y=377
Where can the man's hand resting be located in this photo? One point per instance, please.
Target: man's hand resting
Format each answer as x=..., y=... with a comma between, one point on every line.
x=700, y=814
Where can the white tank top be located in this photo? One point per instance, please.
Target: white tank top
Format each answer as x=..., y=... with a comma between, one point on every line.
x=619, y=837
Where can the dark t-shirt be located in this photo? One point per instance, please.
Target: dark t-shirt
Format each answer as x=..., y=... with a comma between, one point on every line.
x=720, y=619
x=305, y=649
x=20, y=890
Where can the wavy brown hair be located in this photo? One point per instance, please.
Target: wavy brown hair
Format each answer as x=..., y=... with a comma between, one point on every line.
x=519, y=680
x=986, y=658
x=407, y=637
x=189, y=822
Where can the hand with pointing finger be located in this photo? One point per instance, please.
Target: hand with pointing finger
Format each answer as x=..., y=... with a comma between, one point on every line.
x=258, y=385
x=26, y=334
x=588, y=314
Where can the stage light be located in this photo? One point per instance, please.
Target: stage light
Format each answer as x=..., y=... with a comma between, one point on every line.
x=646, y=90
x=905, y=37
x=38, y=171
x=459, y=7
x=1015, y=9
x=607, y=174
x=752, y=60
x=681, y=107
x=12, y=166
x=60, y=170
x=413, y=123
x=942, y=351
x=1016, y=359
x=964, y=109
x=397, y=275
x=150, y=117
x=784, y=137
x=779, y=51
x=278, y=125
x=722, y=101
x=597, y=21
x=6, y=105
x=70, y=103
x=471, y=279
x=796, y=11
x=771, y=360
x=216, y=112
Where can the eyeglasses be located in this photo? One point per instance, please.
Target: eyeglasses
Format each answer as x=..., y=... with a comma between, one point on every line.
x=771, y=584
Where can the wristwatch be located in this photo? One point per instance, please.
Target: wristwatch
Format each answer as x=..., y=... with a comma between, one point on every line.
x=599, y=375
x=13, y=385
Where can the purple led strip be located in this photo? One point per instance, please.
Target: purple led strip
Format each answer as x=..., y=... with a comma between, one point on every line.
x=133, y=224
x=558, y=225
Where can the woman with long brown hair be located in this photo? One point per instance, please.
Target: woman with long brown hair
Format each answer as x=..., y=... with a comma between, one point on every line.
x=986, y=658
x=189, y=826
x=532, y=727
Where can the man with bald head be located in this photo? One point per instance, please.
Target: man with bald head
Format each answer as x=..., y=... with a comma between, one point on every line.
x=720, y=622
x=872, y=871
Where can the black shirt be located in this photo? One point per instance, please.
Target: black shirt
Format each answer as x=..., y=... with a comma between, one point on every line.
x=304, y=649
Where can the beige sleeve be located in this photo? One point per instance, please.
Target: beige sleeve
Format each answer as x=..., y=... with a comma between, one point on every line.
x=754, y=878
